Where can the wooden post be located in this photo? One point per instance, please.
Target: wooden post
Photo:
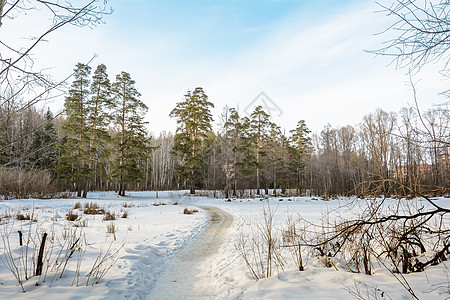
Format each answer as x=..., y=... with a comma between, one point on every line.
x=20, y=238
x=40, y=256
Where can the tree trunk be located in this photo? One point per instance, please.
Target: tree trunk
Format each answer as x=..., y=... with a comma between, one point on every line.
x=85, y=188
x=79, y=190
x=124, y=187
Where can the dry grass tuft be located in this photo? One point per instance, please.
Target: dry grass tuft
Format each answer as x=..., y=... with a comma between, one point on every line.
x=21, y=217
x=71, y=216
x=186, y=211
x=109, y=216
x=92, y=208
x=111, y=228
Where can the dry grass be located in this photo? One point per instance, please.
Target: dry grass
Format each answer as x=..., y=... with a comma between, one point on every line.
x=111, y=228
x=127, y=205
x=77, y=205
x=26, y=217
x=71, y=216
x=22, y=217
x=109, y=216
x=82, y=223
x=186, y=211
x=93, y=208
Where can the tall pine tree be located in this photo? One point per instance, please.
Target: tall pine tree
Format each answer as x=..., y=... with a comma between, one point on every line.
x=259, y=125
x=131, y=141
x=99, y=104
x=298, y=147
x=194, y=123
x=235, y=133
x=74, y=161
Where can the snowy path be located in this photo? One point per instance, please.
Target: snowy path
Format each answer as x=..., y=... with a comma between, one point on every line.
x=183, y=279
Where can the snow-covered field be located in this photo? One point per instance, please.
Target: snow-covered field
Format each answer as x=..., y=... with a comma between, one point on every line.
x=147, y=243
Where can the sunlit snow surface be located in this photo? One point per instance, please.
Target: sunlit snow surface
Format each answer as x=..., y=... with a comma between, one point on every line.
x=153, y=237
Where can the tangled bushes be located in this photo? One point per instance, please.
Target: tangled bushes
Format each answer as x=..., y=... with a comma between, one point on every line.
x=403, y=236
x=16, y=184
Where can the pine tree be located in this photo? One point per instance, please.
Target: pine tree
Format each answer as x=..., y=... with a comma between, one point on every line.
x=98, y=120
x=131, y=141
x=259, y=125
x=74, y=161
x=194, y=122
x=235, y=132
x=44, y=146
x=299, y=143
x=274, y=147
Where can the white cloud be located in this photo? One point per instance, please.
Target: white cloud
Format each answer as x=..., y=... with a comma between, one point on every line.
x=314, y=69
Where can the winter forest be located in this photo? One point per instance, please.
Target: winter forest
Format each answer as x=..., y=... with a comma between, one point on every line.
x=228, y=205
x=101, y=143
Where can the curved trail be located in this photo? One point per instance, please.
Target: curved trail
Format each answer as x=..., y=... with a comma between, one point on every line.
x=184, y=279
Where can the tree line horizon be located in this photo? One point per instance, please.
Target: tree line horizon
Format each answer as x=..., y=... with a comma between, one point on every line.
x=102, y=144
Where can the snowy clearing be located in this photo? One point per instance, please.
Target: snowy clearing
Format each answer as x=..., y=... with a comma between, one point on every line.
x=163, y=253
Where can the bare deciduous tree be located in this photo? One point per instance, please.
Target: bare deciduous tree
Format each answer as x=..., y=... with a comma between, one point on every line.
x=422, y=33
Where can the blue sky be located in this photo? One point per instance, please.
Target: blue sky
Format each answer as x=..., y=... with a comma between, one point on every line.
x=307, y=56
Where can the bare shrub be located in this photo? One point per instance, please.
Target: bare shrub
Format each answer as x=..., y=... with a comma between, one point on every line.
x=395, y=233
x=47, y=256
x=362, y=291
x=103, y=263
x=260, y=250
x=292, y=240
x=16, y=184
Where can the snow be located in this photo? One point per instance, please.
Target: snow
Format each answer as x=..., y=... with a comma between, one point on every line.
x=151, y=240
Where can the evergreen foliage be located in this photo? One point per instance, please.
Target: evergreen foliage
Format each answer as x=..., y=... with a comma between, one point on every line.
x=298, y=146
x=100, y=104
x=259, y=126
x=74, y=161
x=131, y=141
x=44, y=149
x=194, y=124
